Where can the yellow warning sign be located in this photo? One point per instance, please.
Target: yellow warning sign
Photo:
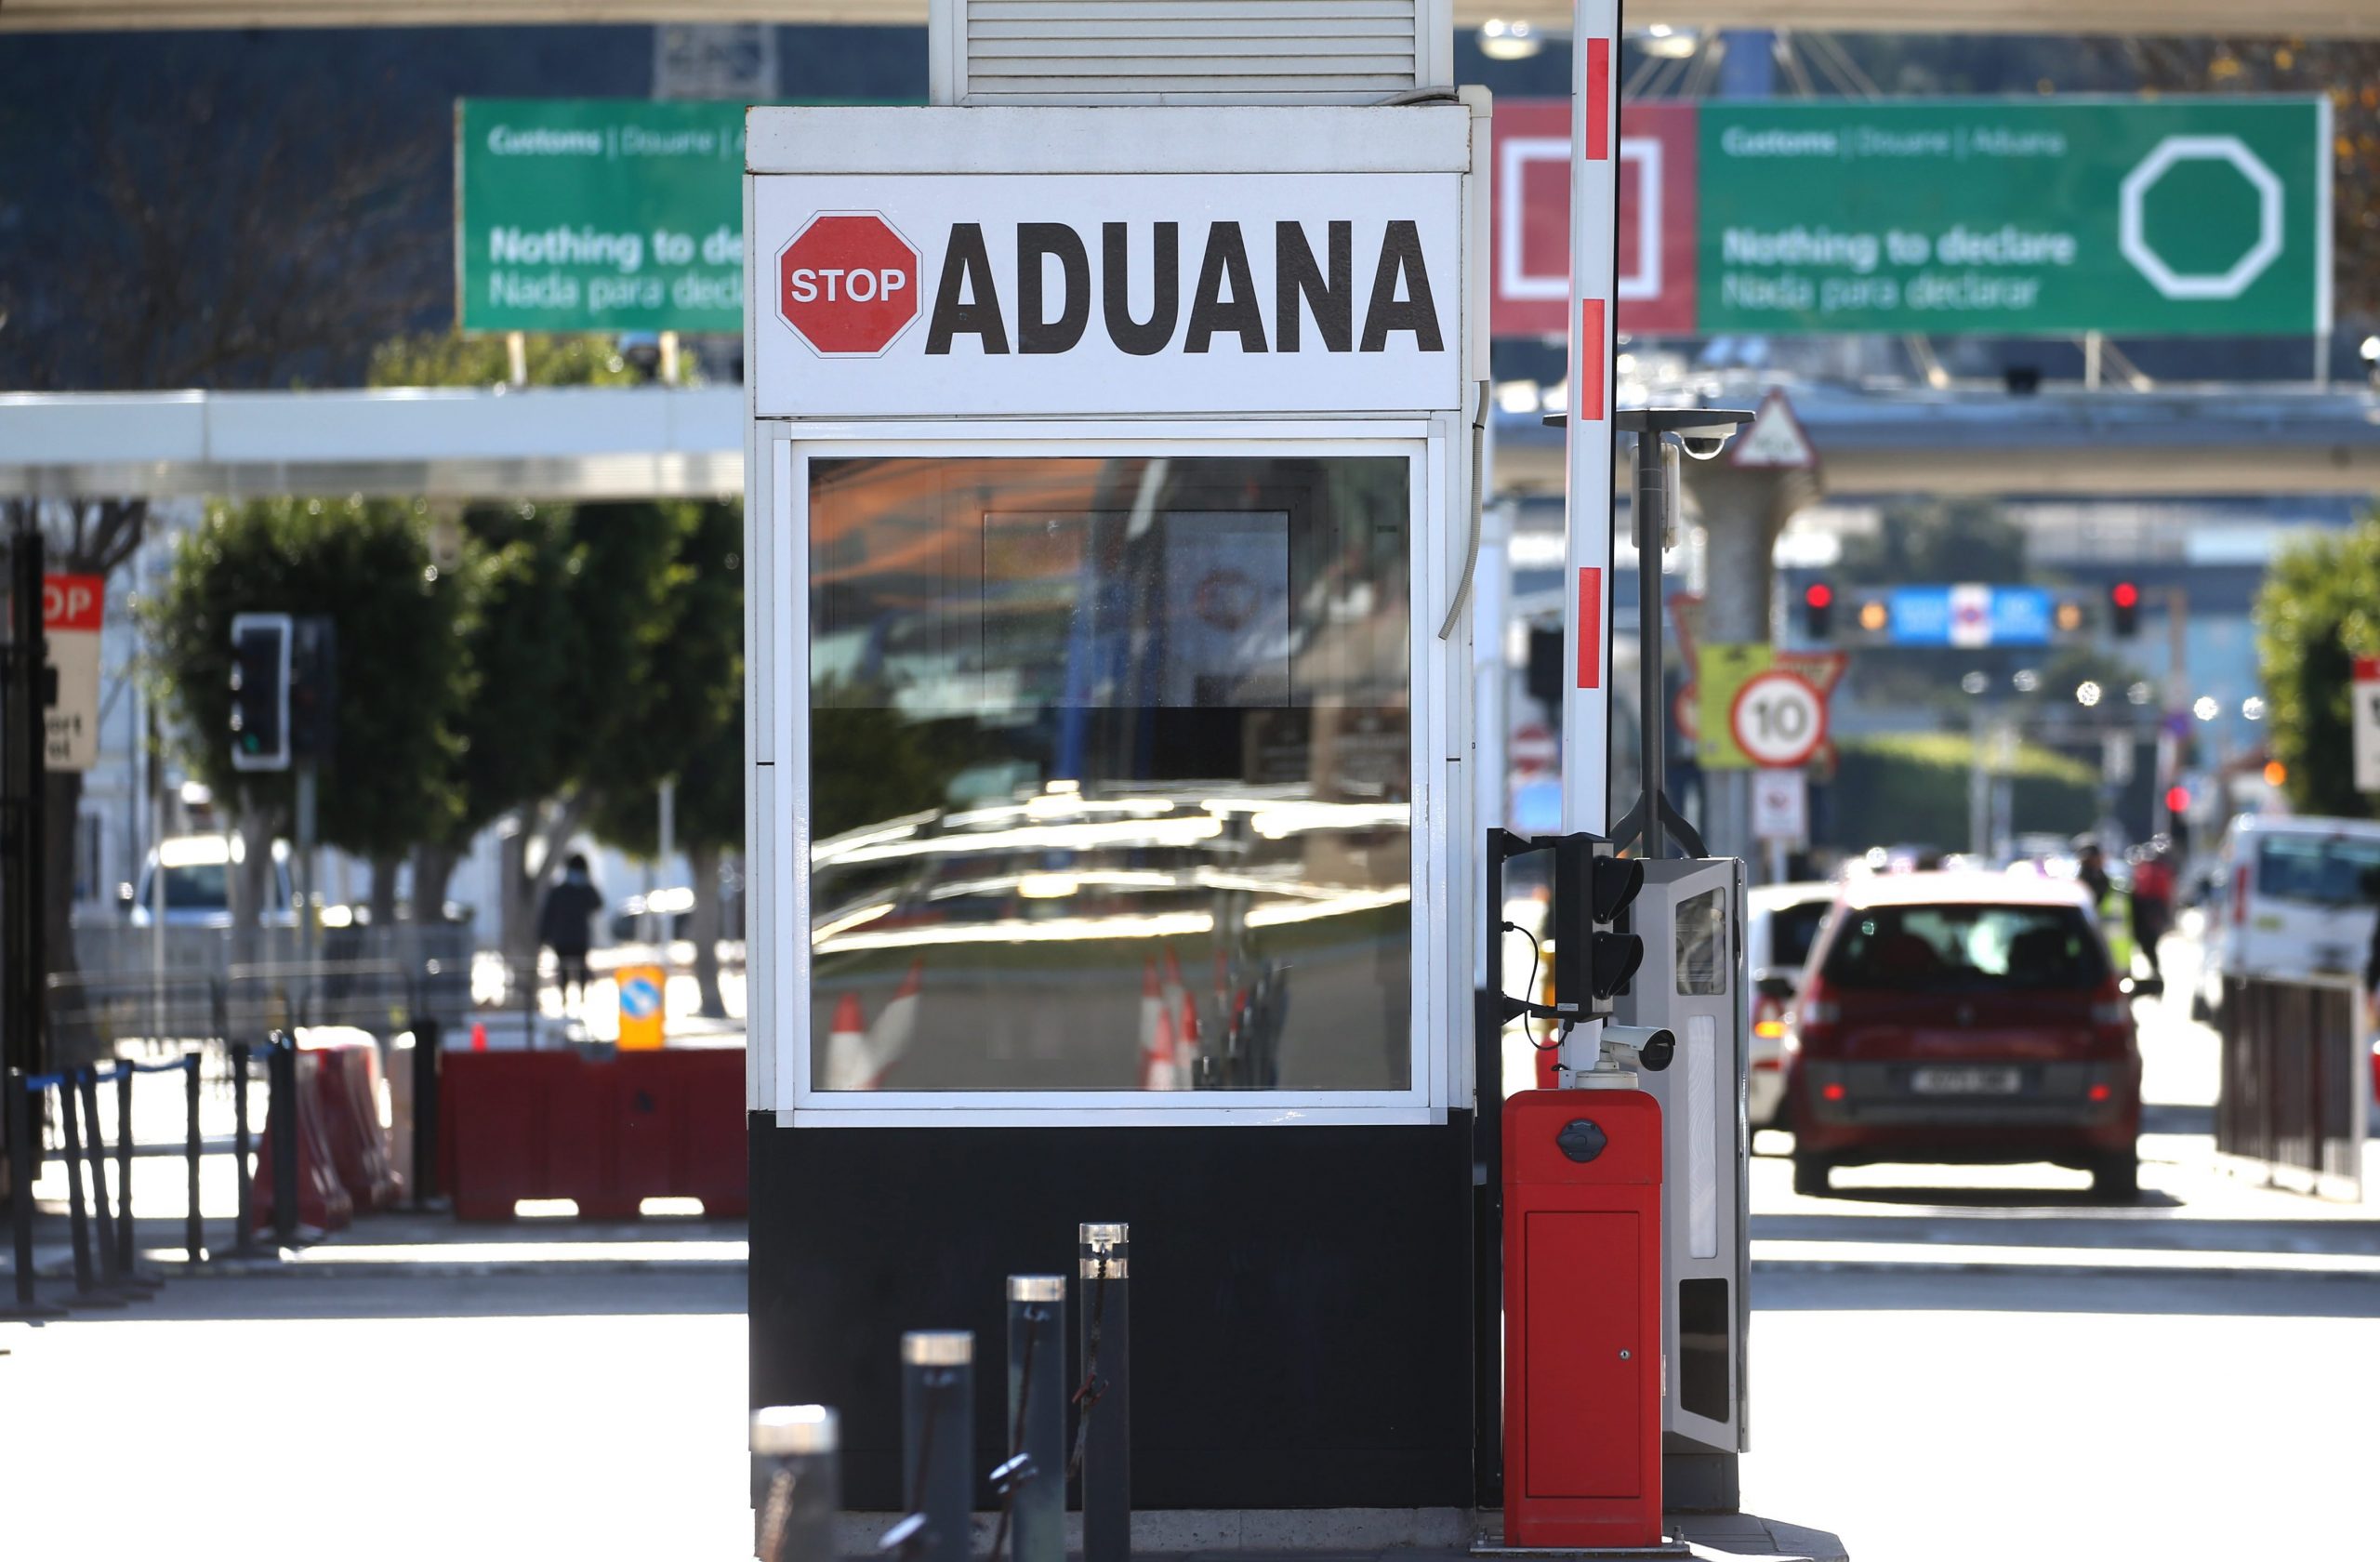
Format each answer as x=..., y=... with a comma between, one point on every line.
x=643, y=1008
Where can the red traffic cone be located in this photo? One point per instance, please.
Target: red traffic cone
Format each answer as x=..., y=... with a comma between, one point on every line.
x=848, y=1065
x=888, y=1038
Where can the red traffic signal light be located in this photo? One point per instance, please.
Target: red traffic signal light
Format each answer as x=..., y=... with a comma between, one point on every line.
x=2177, y=799
x=2124, y=603
x=1817, y=609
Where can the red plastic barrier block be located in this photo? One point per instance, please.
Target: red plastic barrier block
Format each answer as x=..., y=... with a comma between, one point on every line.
x=346, y=1089
x=604, y=1133
x=322, y=1200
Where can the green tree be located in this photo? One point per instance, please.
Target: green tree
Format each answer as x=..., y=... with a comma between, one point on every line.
x=543, y=636
x=368, y=566
x=2319, y=610
x=681, y=720
x=446, y=358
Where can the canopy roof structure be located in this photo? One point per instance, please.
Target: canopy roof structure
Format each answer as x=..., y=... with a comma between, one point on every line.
x=2344, y=18
x=2199, y=441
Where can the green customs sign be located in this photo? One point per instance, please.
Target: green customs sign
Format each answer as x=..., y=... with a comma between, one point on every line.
x=2198, y=217
x=598, y=215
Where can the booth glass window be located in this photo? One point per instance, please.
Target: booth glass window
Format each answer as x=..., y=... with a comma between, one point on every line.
x=1111, y=767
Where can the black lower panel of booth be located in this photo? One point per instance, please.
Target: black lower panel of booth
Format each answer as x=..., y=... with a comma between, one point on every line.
x=1300, y=1297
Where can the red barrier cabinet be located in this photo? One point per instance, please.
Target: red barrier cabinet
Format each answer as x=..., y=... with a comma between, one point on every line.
x=1582, y=1318
x=607, y=1132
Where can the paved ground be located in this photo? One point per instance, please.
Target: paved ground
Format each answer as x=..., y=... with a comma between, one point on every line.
x=1947, y=1363
x=1954, y=1363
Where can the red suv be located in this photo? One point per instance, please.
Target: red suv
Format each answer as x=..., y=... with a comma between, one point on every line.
x=1964, y=1018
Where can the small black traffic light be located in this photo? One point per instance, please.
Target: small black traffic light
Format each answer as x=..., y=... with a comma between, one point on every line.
x=1818, y=611
x=313, y=687
x=2123, y=609
x=260, y=691
x=1592, y=887
x=1616, y=882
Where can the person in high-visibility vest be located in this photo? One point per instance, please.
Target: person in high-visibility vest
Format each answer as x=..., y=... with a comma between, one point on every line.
x=2115, y=921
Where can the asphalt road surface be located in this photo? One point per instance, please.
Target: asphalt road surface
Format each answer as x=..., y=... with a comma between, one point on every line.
x=1947, y=1363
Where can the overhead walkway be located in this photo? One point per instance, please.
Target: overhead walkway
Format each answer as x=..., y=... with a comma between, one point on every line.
x=2196, y=441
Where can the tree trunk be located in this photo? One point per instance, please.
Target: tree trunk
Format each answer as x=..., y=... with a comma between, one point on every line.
x=434, y=868
x=255, y=935
x=705, y=924
x=384, y=890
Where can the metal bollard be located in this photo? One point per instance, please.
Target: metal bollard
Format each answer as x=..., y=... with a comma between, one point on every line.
x=86, y=1293
x=16, y=1101
x=125, y=1246
x=1105, y=1396
x=193, y=1228
x=937, y=1447
x=243, y=1239
x=796, y=1470
x=85, y=1084
x=280, y=1116
x=1032, y=1480
x=425, y=1042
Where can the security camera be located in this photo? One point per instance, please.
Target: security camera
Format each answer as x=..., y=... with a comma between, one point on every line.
x=1645, y=1047
x=1704, y=444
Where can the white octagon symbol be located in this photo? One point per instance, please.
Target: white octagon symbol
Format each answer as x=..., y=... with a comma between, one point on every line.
x=2131, y=224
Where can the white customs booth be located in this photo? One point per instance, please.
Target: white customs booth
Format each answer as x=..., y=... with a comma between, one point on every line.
x=1111, y=504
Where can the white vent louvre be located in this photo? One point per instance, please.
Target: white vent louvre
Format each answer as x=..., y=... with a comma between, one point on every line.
x=1189, y=51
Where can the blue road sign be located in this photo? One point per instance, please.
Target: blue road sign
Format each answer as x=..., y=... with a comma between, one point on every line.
x=640, y=997
x=1970, y=616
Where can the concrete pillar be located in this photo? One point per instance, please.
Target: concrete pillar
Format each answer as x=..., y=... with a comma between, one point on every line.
x=1742, y=511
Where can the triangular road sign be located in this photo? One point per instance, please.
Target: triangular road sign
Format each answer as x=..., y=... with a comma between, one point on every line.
x=1776, y=442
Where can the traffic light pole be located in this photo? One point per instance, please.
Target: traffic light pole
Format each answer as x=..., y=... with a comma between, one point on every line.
x=1653, y=519
x=306, y=777
x=23, y=751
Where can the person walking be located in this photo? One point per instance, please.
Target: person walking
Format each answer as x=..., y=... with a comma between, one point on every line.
x=565, y=925
x=2152, y=900
x=2091, y=866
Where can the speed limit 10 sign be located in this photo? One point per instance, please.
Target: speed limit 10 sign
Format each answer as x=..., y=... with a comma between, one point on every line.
x=1779, y=720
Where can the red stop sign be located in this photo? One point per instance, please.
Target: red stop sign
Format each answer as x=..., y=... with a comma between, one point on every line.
x=847, y=284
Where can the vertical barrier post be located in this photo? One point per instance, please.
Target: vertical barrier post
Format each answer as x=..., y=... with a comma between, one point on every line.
x=243, y=1239
x=937, y=1446
x=86, y=1292
x=280, y=1116
x=426, y=1043
x=1033, y=1479
x=796, y=1470
x=85, y=1081
x=1105, y=1396
x=125, y=1246
x=16, y=1100
x=194, y=1228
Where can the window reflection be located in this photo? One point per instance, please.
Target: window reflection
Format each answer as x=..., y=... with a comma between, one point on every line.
x=1111, y=771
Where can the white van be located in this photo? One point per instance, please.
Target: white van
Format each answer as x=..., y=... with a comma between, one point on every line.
x=2295, y=898
x=198, y=883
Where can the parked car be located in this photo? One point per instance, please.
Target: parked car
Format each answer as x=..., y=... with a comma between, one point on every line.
x=2293, y=898
x=1964, y=1018
x=674, y=907
x=198, y=871
x=1781, y=923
